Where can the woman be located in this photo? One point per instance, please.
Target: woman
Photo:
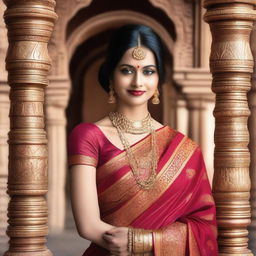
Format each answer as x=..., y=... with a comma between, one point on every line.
x=138, y=187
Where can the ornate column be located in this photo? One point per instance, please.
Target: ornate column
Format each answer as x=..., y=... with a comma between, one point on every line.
x=252, y=145
x=231, y=64
x=195, y=85
x=201, y=127
x=56, y=99
x=30, y=24
x=195, y=126
x=169, y=98
x=182, y=116
x=207, y=135
x=205, y=39
x=56, y=102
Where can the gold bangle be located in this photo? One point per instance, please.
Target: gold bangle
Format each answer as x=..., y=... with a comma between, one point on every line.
x=142, y=241
x=148, y=241
x=130, y=234
x=137, y=244
x=145, y=242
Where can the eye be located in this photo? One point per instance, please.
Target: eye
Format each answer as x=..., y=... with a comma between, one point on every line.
x=126, y=71
x=148, y=72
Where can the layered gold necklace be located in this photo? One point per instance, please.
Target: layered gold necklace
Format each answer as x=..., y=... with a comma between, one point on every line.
x=124, y=125
x=130, y=126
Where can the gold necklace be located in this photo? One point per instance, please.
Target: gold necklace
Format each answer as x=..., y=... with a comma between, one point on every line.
x=133, y=162
x=130, y=126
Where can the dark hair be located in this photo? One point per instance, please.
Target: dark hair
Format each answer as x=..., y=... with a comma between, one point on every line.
x=125, y=38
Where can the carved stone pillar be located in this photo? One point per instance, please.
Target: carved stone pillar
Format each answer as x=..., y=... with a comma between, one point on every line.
x=57, y=94
x=195, y=85
x=207, y=135
x=30, y=24
x=231, y=64
x=165, y=99
x=169, y=97
x=182, y=116
x=205, y=39
x=252, y=145
x=195, y=126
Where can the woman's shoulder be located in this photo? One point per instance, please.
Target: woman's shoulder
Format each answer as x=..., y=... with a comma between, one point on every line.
x=82, y=128
x=90, y=126
x=106, y=127
x=157, y=125
x=91, y=130
x=181, y=135
x=104, y=122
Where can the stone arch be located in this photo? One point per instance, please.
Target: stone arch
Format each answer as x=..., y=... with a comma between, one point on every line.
x=181, y=14
x=106, y=20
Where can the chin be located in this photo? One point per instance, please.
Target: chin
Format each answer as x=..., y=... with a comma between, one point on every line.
x=138, y=103
x=132, y=101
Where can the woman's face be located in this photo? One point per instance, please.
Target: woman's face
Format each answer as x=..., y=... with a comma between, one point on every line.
x=135, y=81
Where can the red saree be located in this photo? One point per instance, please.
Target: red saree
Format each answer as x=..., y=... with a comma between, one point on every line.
x=179, y=208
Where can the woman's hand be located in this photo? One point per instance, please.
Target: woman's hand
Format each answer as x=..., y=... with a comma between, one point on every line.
x=117, y=240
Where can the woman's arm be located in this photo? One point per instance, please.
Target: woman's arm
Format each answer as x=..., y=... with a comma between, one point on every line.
x=85, y=204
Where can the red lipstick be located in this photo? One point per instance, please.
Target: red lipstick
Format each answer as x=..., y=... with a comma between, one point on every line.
x=135, y=92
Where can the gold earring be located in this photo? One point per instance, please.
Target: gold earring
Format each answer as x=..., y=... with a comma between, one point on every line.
x=111, y=96
x=155, y=99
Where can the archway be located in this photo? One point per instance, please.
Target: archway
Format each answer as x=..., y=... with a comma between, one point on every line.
x=86, y=50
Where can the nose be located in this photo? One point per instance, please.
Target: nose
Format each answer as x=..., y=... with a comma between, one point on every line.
x=137, y=81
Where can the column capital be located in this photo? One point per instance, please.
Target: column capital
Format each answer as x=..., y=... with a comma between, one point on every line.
x=195, y=83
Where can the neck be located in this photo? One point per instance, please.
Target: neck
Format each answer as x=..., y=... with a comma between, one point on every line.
x=133, y=112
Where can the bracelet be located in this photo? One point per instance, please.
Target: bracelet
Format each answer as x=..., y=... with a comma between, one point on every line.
x=130, y=235
x=142, y=241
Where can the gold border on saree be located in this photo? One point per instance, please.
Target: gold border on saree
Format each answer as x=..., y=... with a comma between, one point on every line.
x=143, y=199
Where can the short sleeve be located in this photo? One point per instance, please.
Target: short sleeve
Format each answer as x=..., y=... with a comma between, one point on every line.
x=82, y=146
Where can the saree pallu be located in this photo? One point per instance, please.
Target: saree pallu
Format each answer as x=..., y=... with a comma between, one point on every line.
x=179, y=208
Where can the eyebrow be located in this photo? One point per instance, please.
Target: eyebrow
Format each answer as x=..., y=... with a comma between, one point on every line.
x=127, y=65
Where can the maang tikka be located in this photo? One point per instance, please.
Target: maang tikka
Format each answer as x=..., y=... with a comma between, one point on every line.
x=138, y=52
